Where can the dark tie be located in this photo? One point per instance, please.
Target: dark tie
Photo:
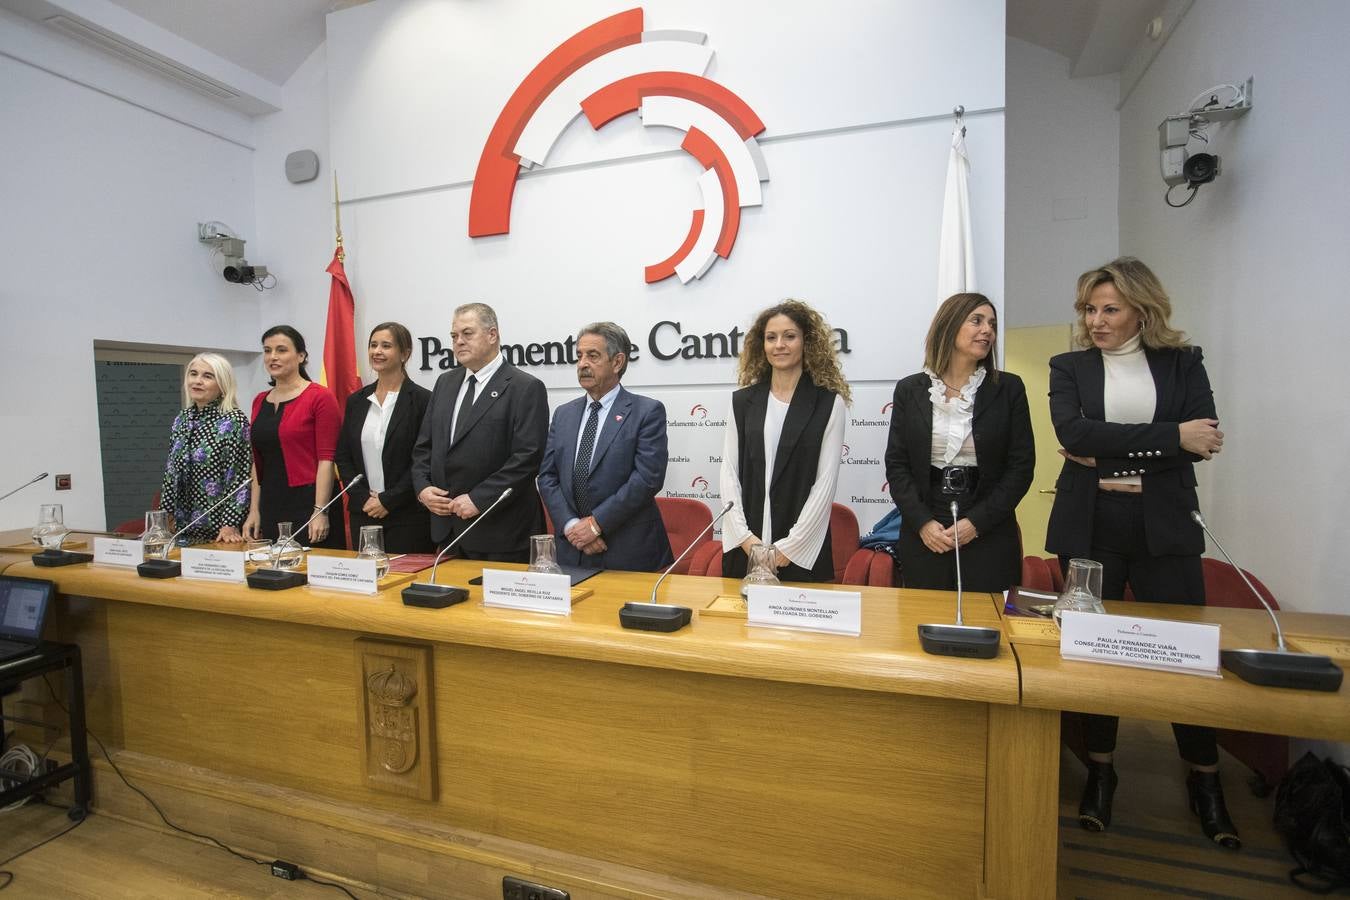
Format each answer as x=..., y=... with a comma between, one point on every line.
x=581, y=470
x=465, y=408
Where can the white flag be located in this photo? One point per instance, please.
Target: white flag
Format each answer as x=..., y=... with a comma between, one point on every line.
x=956, y=259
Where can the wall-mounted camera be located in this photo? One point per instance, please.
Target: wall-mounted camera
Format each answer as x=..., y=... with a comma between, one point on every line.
x=234, y=267
x=1175, y=133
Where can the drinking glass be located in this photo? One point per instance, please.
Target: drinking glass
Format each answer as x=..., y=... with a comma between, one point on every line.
x=372, y=547
x=50, y=531
x=286, y=552
x=544, y=555
x=761, y=569
x=1082, y=589
x=156, y=537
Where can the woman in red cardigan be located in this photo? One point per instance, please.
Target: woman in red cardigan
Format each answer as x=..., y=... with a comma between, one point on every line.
x=295, y=432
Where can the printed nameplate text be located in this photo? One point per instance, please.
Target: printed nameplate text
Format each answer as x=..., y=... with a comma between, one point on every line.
x=213, y=565
x=112, y=552
x=528, y=590
x=1188, y=647
x=341, y=573
x=834, y=612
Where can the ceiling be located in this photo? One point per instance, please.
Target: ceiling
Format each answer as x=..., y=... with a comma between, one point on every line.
x=269, y=38
x=1097, y=36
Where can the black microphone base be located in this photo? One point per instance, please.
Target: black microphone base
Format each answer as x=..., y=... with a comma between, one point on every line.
x=654, y=616
x=275, y=579
x=160, y=568
x=969, y=641
x=1275, y=668
x=433, y=596
x=50, y=559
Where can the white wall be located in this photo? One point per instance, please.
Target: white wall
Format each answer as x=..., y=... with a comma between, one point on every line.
x=857, y=108
x=1252, y=267
x=101, y=199
x=1062, y=173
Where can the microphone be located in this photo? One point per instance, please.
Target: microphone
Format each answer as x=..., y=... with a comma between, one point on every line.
x=162, y=567
x=1280, y=667
x=429, y=594
x=653, y=616
x=281, y=579
x=970, y=641
x=24, y=485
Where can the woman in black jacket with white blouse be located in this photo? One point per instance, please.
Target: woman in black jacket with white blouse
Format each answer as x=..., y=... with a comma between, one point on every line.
x=1134, y=413
x=960, y=430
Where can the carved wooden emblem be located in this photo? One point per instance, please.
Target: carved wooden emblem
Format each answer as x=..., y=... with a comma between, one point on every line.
x=396, y=716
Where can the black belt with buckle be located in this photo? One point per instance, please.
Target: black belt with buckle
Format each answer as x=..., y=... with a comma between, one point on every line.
x=954, y=481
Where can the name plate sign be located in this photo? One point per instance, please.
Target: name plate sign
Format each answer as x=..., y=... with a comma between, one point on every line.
x=833, y=612
x=112, y=552
x=532, y=591
x=213, y=565
x=341, y=573
x=1191, y=648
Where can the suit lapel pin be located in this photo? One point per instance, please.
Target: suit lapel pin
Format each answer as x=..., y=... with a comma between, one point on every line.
x=493, y=395
x=618, y=418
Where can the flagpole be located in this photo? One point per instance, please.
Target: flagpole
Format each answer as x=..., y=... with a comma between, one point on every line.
x=337, y=217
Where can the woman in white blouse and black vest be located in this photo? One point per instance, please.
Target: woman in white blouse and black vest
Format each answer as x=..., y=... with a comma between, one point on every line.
x=1134, y=413
x=780, y=459
x=379, y=429
x=960, y=430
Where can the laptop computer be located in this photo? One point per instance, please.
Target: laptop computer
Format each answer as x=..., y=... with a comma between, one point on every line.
x=23, y=612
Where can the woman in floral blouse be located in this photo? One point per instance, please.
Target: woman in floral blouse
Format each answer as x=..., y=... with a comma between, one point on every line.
x=209, y=455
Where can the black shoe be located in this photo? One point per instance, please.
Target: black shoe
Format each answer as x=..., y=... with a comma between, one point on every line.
x=1094, y=810
x=1206, y=793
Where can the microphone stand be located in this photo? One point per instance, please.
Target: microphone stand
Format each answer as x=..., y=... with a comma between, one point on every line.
x=24, y=485
x=970, y=641
x=172, y=568
x=1280, y=667
x=429, y=594
x=653, y=616
x=279, y=580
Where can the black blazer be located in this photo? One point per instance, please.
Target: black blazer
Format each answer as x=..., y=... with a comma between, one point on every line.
x=405, y=422
x=1004, y=447
x=500, y=446
x=1150, y=449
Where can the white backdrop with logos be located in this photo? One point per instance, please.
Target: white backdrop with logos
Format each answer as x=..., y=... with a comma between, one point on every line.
x=857, y=103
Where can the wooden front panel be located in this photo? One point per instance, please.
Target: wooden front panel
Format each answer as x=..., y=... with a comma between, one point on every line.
x=776, y=788
x=397, y=717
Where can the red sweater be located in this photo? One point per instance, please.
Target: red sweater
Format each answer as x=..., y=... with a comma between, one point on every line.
x=308, y=431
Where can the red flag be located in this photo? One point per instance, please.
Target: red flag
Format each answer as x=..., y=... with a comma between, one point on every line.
x=339, y=343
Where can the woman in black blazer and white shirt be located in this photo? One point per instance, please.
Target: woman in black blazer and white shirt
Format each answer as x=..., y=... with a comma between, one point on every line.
x=1134, y=412
x=379, y=429
x=960, y=430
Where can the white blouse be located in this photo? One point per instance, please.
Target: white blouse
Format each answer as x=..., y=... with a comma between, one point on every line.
x=953, y=420
x=372, y=438
x=1129, y=394
x=804, y=540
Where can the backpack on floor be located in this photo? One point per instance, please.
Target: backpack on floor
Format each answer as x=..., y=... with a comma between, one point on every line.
x=1312, y=814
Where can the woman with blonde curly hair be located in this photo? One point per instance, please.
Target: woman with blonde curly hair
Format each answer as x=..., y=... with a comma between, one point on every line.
x=780, y=457
x=960, y=431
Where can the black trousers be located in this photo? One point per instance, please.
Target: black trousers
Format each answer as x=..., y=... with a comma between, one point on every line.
x=402, y=533
x=1119, y=544
x=992, y=562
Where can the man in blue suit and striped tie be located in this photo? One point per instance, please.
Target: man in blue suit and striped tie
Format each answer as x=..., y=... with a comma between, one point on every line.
x=604, y=464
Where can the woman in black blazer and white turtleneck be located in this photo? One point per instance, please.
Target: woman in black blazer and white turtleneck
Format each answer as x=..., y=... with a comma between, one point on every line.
x=1134, y=412
x=960, y=430
x=378, y=432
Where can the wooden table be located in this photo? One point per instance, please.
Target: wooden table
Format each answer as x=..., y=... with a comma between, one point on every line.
x=723, y=759
x=1049, y=682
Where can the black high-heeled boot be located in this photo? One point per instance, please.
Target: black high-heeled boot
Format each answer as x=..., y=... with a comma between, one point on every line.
x=1094, y=810
x=1206, y=793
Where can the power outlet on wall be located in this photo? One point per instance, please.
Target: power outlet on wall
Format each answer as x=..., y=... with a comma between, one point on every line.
x=63, y=482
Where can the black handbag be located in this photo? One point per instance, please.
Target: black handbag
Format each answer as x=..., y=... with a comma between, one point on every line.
x=1312, y=814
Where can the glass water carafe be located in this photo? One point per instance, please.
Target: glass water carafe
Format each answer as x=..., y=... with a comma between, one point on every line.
x=50, y=531
x=156, y=538
x=372, y=547
x=1082, y=589
x=287, y=554
x=762, y=569
x=544, y=555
